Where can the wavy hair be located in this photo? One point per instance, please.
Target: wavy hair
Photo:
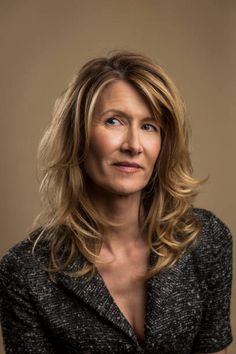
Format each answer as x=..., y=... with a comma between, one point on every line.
x=69, y=224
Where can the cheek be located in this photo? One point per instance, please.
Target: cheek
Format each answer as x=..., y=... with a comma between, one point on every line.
x=103, y=144
x=154, y=151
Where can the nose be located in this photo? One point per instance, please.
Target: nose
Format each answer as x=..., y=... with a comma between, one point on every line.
x=132, y=142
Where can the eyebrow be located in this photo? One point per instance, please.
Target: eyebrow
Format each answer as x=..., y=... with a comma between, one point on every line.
x=117, y=111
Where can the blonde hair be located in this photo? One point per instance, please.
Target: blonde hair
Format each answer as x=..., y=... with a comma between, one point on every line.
x=69, y=224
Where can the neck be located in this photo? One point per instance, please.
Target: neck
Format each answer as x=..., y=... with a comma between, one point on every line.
x=122, y=210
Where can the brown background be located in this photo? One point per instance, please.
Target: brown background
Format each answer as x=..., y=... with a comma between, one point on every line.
x=44, y=42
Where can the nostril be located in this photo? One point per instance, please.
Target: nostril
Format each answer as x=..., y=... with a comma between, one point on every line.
x=133, y=149
x=132, y=143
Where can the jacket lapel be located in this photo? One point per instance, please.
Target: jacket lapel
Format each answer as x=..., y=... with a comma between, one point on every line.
x=161, y=308
x=95, y=294
x=171, y=295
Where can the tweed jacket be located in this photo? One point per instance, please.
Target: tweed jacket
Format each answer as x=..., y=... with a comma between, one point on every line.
x=187, y=311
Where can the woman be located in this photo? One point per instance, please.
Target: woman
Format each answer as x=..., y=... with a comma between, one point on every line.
x=119, y=261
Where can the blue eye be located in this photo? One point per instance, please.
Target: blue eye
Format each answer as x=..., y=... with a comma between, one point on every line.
x=109, y=120
x=153, y=127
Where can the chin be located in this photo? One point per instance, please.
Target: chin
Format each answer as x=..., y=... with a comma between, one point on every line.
x=125, y=191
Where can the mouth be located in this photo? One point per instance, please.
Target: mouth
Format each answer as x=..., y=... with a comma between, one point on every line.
x=127, y=164
x=127, y=167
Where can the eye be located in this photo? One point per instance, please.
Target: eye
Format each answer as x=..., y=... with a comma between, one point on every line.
x=111, y=120
x=151, y=127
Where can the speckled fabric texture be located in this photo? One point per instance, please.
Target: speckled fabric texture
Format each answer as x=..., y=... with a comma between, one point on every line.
x=188, y=306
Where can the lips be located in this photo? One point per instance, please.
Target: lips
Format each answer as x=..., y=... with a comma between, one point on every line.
x=127, y=164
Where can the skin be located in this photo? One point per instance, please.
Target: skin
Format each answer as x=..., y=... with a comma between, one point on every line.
x=132, y=135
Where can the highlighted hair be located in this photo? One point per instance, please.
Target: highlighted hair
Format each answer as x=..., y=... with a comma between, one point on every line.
x=69, y=223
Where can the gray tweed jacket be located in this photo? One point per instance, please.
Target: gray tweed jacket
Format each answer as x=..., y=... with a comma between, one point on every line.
x=188, y=306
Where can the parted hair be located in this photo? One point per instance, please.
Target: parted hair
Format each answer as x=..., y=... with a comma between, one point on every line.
x=69, y=223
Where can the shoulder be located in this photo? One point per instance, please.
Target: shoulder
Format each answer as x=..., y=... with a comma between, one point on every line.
x=19, y=263
x=212, y=227
x=214, y=237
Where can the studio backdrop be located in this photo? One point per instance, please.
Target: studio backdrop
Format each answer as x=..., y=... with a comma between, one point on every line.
x=43, y=43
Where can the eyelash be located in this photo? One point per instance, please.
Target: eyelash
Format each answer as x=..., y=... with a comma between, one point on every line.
x=111, y=118
x=153, y=126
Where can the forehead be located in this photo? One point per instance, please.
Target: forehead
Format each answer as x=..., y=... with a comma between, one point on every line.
x=121, y=95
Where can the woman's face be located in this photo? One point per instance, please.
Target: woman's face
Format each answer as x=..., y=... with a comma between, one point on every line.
x=124, y=131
